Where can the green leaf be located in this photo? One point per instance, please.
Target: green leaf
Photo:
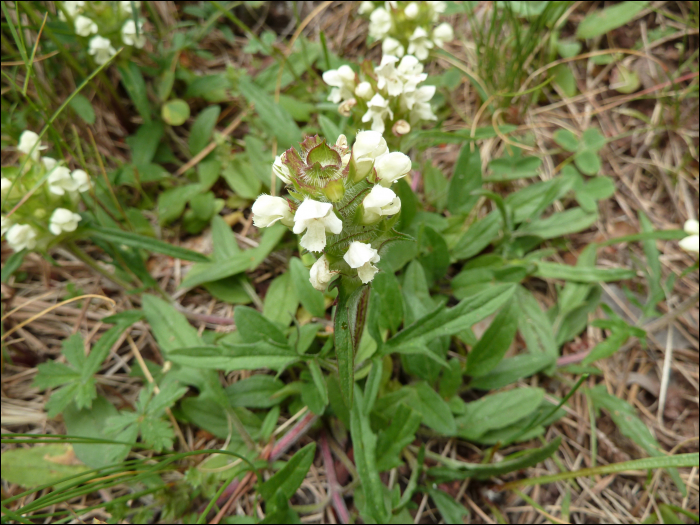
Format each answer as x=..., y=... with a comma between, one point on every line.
x=329, y=128
x=435, y=411
x=465, y=179
x=172, y=202
x=497, y=411
x=235, y=357
x=364, y=445
x=274, y=117
x=290, y=477
x=565, y=79
x=240, y=176
x=566, y=139
x=144, y=143
x=478, y=236
x=568, y=48
x=581, y=274
x=400, y=433
x=135, y=86
x=255, y=392
x=281, y=301
x=310, y=297
x=510, y=370
x=200, y=133
x=451, y=511
x=559, y=224
x=588, y=162
x=175, y=112
x=534, y=326
x=253, y=327
x=601, y=22
x=11, y=265
x=495, y=342
x=150, y=244
x=81, y=105
x=170, y=328
x=607, y=347
x=210, y=87
x=386, y=287
x=38, y=465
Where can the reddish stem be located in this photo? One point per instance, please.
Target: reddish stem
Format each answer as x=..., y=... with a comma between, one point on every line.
x=341, y=509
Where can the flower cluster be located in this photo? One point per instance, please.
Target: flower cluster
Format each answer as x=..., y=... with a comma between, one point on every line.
x=388, y=95
x=407, y=27
x=50, y=209
x=106, y=24
x=340, y=200
x=692, y=242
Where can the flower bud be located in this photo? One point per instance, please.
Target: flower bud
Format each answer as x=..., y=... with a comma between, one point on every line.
x=63, y=220
x=346, y=107
x=282, y=171
x=361, y=256
x=401, y=127
x=369, y=145
x=379, y=202
x=364, y=90
x=391, y=167
x=392, y=47
x=320, y=274
x=411, y=10
x=692, y=242
x=267, y=210
x=342, y=142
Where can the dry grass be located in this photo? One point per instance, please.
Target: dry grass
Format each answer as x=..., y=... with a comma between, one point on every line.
x=655, y=169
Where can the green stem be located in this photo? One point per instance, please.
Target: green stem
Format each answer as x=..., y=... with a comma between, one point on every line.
x=84, y=257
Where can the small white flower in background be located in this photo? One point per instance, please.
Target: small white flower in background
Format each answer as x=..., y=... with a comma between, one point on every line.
x=419, y=44
x=438, y=8
x=388, y=77
x=21, y=236
x=377, y=110
x=343, y=82
x=49, y=163
x=380, y=202
x=392, y=167
x=418, y=103
x=63, y=220
x=369, y=145
x=29, y=143
x=364, y=90
x=365, y=7
x=101, y=49
x=81, y=180
x=267, y=210
x=280, y=170
x=320, y=274
x=60, y=181
x=443, y=33
x=391, y=46
x=379, y=23
x=411, y=10
x=72, y=8
x=316, y=218
x=129, y=36
x=5, y=224
x=361, y=256
x=692, y=242
x=84, y=26
x=5, y=185
x=125, y=6
x=346, y=107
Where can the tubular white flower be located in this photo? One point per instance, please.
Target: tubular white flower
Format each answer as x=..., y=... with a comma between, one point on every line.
x=101, y=49
x=267, y=210
x=5, y=185
x=692, y=242
x=84, y=26
x=438, y=8
x=380, y=202
x=63, y=220
x=388, y=77
x=365, y=7
x=379, y=23
x=422, y=94
x=316, y=218
x=29, y=144
x=377, y=110
x=443, y=33
x=129, y=36
x=49, y=163
x=125, y=6
x=419, y=44
x=21, y=236
x=81, y=181
x=281, y=171
x=361, y=256
x=320, y=274
x=364, y=90
x=392, y=167
x=60, y=181
x=5, y=224
x=343, y=82
x=369, y=145
x=72, y=8
x=411, y=10
x=391, y=46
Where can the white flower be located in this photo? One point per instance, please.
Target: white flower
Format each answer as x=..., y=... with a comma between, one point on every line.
x=129, y=36
x=692, y=242
x=443, y=33
x=60, y=181
x=21, y=236
x=5, y=224
x=411, y=70
x=125, y=6
x=81, y=181
x=5, y=185
x=84, y=26
x=419, y=44
x=391, y=167
x=267, y=210
x=361, y=256
x=377, y=110
x=49, y=163
x=438, y=8
x=369, y=145
x=29, y=143
x=282, y=171
x=418, y=103
x=379, y=23
x=365, y=7
x=316, y=218
x=320, y=274
x=63, y=220
x=411, y=10
x=391, y=46
x=380, y=202
x=343, y=82
x=72, y=8
x=101, y=48
x=388, y=77
x=364, y=90
x=345, y=108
